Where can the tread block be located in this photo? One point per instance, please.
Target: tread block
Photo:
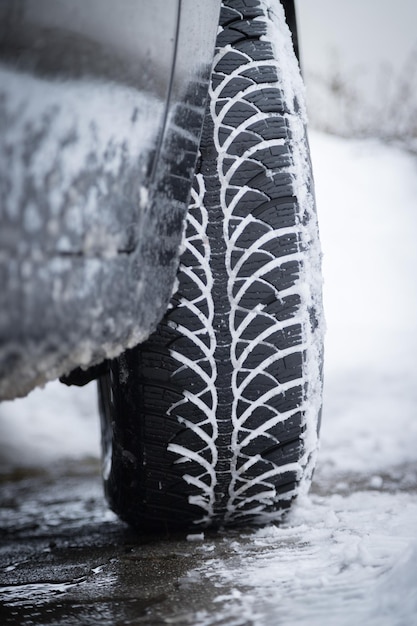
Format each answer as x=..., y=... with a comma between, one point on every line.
x=238, y=114
x=231, y=88
x=268, y=100
x=261, y=74
x=246, y=8
x=230, y=62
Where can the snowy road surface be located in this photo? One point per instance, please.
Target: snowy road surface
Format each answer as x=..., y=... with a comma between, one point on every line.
x=348, y=553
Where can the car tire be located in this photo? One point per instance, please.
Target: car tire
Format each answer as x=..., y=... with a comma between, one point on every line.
x=214, y=420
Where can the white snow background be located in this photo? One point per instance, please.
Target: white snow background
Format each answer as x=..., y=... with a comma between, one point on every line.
x=349, y=551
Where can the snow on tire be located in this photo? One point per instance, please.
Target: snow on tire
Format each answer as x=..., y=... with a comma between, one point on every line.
x=215, y=418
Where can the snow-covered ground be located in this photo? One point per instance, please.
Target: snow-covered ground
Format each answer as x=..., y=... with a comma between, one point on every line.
x=349, y=551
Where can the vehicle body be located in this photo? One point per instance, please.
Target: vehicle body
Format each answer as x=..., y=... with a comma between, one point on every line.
x=101, y=109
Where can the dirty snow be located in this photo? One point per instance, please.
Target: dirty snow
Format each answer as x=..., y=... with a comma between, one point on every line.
x=75, y=123
x=348, y=553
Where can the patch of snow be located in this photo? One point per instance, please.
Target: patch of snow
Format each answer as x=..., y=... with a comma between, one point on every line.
x=311, y=276
x=79, y=123
x=48, y=426
x=366, y=197
x=329, y=564
x=195, y=537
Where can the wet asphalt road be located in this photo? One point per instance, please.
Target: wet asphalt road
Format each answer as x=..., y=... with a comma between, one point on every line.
x=66, y=559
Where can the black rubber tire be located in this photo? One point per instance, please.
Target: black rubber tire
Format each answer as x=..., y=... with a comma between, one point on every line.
x=214, y=420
